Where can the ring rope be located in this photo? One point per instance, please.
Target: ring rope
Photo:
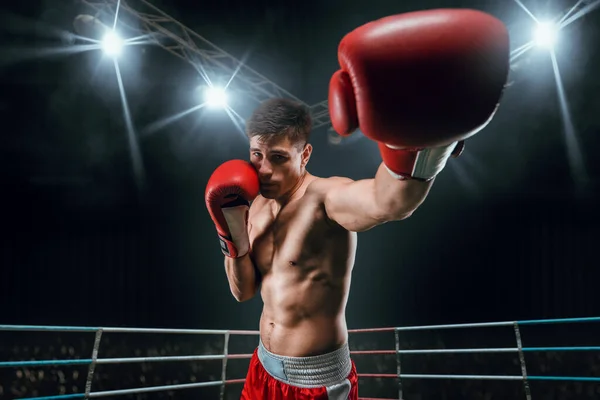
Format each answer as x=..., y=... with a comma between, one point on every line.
x=250, y=332
x=149, y=389
x=43, y=328
x=85, y=361
x=487, y=377
x=398, y=375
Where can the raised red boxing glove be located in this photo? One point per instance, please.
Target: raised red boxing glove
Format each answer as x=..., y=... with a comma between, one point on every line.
x=229, y=192
x=419, y=83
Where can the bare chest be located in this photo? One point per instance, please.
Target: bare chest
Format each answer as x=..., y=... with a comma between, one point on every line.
x=296, y=236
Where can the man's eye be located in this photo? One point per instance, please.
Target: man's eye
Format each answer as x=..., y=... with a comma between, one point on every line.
x=279, y=158
x=256, y=154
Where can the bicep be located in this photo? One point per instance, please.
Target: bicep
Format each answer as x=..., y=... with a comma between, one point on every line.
x=351, y=204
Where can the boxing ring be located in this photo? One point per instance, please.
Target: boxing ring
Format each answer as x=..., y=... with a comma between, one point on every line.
x=399, y=376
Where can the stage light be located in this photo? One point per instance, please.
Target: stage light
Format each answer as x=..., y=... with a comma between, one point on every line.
x=215, y=97
x=545, y=35
x=112, y=44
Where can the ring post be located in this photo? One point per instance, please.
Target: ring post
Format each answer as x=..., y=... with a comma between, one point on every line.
x=224, y=370
x=522, y=361
x=398, y=369
x=92, y=367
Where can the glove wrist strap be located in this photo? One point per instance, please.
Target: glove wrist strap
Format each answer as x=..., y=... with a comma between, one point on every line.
x=228, y=248
x=419, y=164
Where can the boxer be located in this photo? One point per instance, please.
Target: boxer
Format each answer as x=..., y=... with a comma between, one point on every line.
x=418, y=84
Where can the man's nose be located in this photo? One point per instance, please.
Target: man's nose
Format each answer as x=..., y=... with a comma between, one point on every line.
x=265, y=169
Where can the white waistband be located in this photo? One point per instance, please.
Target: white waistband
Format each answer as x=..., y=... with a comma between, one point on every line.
x=315, y=371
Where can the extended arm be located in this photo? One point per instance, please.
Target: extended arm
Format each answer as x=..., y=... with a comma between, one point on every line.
x=401, y=89
x=360, y=205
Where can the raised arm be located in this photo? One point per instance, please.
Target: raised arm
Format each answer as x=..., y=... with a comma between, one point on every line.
x=419, y=97
x=229, y=191
x=361, y=205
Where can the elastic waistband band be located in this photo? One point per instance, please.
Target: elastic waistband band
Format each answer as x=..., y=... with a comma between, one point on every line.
x=315, y=371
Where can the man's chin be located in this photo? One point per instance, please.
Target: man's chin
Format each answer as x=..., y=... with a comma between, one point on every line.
x=268, y=193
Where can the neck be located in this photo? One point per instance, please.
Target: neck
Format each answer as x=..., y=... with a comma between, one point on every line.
x=296, y=191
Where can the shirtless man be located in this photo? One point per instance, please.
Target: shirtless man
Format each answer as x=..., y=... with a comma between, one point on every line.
x=296, y=241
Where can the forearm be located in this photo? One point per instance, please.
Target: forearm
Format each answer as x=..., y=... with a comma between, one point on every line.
x=242, y=278
x=397, y=199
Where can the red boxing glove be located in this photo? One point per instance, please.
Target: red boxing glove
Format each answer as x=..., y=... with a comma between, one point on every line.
x=419, y=83
x=230, y=189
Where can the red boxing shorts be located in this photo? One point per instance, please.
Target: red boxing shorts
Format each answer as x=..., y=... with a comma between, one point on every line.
x=330, y=376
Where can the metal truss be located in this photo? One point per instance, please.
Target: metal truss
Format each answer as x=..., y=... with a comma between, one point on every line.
x=320, y=114
x=206, y=57
x=171, y=35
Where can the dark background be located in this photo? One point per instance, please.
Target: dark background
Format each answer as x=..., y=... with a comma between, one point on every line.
x=509, y=231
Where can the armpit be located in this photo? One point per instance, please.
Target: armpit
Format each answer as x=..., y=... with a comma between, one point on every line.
x=325, y=186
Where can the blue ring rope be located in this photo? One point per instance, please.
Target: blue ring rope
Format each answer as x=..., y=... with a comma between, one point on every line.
x=57, y=397
x=42, y=363
x=585, y=348
x=558, y=321
x=94, y=329
x=48, y=328
x=564, y=378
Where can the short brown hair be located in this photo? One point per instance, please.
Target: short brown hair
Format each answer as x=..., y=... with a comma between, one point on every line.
x=279, y=117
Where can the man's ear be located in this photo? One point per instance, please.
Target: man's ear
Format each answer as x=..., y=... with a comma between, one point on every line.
x=306, y=152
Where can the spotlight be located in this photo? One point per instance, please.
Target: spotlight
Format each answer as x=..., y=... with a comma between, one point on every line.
x=215, y=97
x=112, y=44
x=545, y=35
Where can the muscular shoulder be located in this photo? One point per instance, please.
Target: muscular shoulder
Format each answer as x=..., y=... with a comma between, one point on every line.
x=323, y=186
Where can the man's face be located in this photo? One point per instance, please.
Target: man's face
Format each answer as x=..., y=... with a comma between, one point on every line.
x=279, y=163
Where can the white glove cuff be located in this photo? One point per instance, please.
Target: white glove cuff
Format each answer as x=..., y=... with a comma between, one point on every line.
x=237, y=222
x=429, y=162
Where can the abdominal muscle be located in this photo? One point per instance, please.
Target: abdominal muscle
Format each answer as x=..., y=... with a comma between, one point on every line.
x=302, y=318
